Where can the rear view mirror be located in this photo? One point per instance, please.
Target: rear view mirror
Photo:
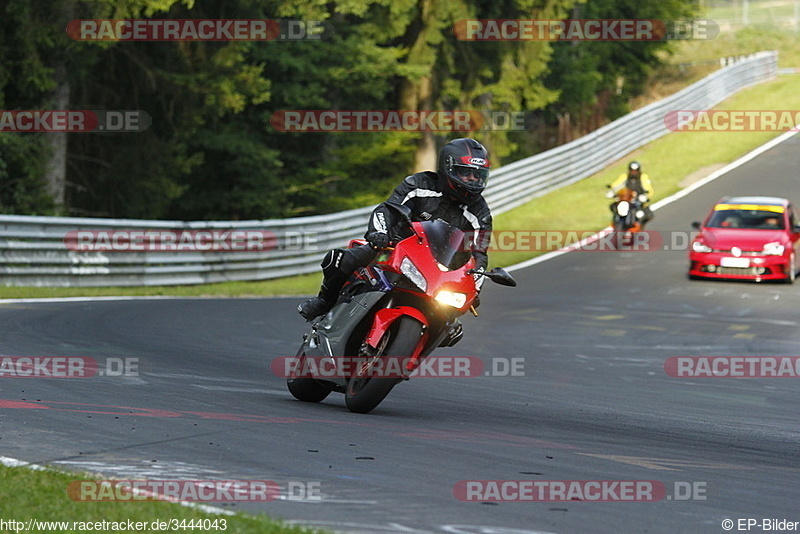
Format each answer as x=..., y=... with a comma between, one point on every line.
x=696, y=224
x=501, y=276
x=402, y=209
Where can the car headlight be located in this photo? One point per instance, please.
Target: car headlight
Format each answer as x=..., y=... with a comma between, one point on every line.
x=773, y=249
x=411, y=272
x=699, y=246
x=451, y=298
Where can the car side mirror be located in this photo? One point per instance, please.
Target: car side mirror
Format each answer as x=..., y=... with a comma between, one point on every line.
x=696, y=225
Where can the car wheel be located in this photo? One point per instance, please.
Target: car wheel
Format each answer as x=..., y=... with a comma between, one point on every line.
x=790, y=276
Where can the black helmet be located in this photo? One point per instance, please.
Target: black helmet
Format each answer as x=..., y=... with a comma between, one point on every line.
x=463, y=168
x=634, y=168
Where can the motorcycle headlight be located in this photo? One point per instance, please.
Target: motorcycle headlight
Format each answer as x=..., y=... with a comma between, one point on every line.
x=451, y=298
x=773, y=249
x=699, y=246
x=411, y=272
x=623, y=208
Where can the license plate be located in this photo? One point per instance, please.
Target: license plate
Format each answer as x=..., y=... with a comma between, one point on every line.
x=741, y=263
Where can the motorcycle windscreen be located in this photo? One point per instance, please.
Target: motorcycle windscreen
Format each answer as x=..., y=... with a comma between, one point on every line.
x=448, y=244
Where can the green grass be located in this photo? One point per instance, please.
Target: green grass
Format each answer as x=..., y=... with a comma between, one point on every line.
x=775, y=13
x=743, y=41
x=42, y=495
x=294, y=285
x=667, y=160
x=770, y=28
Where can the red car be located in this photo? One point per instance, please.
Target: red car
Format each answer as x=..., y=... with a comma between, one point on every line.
x=747, y=238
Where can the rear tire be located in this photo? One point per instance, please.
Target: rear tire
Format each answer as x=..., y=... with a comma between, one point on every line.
x=304, y=388
x=365, y=393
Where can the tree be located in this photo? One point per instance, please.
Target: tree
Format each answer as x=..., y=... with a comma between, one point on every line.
x=597, y=79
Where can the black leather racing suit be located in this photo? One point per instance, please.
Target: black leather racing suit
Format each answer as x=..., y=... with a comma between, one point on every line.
x=422, y=193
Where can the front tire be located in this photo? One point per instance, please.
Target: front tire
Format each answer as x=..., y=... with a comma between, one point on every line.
x=364, y=393
x=618, y=236
x=304, y=388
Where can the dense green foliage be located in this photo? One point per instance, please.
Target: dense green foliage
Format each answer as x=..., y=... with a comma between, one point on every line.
x=211, y=152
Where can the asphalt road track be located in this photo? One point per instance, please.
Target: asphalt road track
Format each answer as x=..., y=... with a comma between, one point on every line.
x=594, y=329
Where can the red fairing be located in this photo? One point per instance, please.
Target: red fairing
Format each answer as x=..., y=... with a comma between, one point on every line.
x=384, y=319
x=417, y=248
x=438, y=280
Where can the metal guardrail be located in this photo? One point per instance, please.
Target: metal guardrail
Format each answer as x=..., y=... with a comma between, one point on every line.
x=34, y=251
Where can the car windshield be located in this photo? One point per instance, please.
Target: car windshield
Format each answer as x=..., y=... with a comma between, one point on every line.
x=751, y=219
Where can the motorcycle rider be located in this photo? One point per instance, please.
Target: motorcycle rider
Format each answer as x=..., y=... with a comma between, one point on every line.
x=636, y=181
x=453, y=194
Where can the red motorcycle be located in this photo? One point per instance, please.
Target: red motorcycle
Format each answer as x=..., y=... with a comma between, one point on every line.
x=402, y=306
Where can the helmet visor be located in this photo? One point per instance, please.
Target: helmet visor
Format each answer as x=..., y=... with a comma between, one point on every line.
x=470, y=176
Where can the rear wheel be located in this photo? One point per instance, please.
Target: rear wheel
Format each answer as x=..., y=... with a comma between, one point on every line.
x=365, y=392
x=305, y=388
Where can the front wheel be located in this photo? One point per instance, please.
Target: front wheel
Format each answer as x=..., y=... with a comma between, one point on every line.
x=364, y=393
x=618, y=235
x=790, y=276
x=304, y=388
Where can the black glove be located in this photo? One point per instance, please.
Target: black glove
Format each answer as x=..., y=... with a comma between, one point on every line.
x=378, y=240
